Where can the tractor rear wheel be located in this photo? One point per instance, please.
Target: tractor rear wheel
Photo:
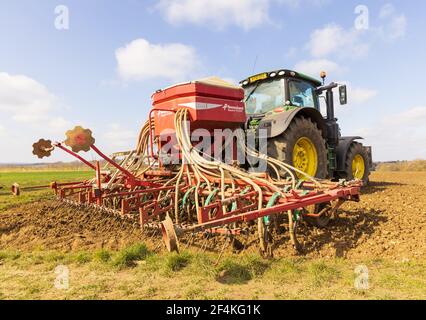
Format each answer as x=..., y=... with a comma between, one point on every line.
x=356, y=165
x=302, y=146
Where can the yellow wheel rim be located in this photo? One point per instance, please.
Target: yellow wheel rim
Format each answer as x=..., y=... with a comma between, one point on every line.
x=358, y=167
x=305, y=157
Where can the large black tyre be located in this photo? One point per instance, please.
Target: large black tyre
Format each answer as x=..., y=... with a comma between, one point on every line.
x=356, y=149
x=282, y=147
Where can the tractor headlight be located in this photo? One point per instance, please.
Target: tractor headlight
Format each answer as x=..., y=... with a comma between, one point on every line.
x=281, y=73
x=272, y=74
x=245, y=82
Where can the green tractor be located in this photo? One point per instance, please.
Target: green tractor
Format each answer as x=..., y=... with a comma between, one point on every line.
x=287, y=104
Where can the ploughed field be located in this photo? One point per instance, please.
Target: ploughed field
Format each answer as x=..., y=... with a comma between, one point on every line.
x=386, y=231
x=390, y=221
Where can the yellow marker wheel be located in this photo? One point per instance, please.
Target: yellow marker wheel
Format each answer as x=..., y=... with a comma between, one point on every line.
x=305, y=157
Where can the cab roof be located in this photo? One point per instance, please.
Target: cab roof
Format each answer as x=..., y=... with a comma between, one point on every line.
x=280, y=73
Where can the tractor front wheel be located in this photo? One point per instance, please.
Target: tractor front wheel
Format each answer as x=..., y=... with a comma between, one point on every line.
x=356, y=165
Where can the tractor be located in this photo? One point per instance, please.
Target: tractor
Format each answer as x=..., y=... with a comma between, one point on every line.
x=287, y=104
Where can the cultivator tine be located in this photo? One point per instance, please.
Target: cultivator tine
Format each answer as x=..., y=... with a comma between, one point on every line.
x=205, y=243
x=189, y=242
x=158, y=247
x=228, y=240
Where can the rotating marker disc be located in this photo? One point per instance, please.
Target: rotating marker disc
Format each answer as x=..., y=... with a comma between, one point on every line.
x=79, y=139
x=42, y=148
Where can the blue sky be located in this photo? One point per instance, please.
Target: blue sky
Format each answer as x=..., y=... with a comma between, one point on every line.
x=102, y=70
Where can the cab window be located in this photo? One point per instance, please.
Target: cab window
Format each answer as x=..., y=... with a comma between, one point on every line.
x=264, y=96
x=301, y=94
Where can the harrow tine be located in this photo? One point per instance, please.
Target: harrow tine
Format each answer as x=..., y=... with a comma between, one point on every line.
x=228, y=239
x=204, y=246
x=189, y=242
x=153, y=235
x=158, y=246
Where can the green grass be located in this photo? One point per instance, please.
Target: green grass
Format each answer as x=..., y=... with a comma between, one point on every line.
x=233, y=272
x=323, y=273
x=176, y=262
x=28, y=179
x=83, y=257
x=102, y=256
x=138, y=273
x=129, y=256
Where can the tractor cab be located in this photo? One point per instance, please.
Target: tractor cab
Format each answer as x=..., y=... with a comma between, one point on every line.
x=280, y=90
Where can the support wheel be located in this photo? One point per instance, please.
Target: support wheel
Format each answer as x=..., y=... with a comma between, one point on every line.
x=169, y=235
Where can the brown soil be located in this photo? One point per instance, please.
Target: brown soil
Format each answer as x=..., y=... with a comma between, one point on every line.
x=390, y=221
x=52, y=225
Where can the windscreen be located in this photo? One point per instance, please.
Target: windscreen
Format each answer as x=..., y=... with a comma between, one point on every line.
x=262, y=97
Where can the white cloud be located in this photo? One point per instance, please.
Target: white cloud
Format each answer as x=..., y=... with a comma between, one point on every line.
x=409, y=117
x=386, y=11
x=399, y=136
x=29, y=102
x=394, y=25
x=25, y=99
x=216, y=14
x=2, y=131
x=120, y=137
x=299, y=3
x=333, y=39
x=57, y=124
x=360, y=95
x=315, y=66
x=219, y=14
x=141, y=60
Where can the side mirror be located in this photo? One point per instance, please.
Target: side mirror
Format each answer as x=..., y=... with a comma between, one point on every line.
x=343, y=95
